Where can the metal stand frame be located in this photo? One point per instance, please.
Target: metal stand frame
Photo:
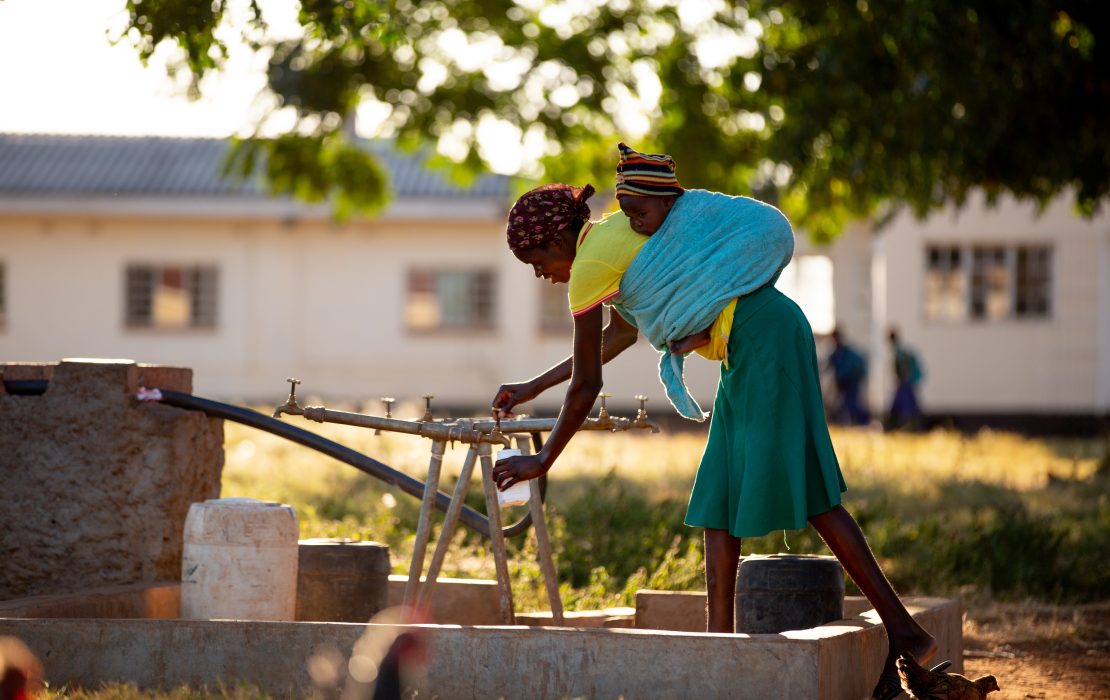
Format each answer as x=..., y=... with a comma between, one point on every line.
x=480, y=435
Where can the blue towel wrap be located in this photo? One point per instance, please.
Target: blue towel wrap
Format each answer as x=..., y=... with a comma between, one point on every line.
x=711, y=248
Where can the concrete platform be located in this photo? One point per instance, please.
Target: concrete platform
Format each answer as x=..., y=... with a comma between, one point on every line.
x=583, y=619
x=839, y=660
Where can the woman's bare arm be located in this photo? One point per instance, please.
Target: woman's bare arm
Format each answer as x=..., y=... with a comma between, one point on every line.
x=618, y=336
x=585, y=383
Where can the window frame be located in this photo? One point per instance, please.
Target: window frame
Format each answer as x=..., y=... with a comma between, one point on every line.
x=481, y=326
x=968, y=252
x=203, y=320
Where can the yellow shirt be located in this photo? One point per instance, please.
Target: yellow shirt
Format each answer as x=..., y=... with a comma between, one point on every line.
x=605, y=250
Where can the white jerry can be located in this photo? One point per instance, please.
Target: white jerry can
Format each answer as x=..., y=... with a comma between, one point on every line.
x=239, y=560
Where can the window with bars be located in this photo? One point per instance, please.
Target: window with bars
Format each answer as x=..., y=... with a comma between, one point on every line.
x=450, y=299
x=1033, y=277
x=945, y=296
x=991, y=283
x=171, y=296
x=988, y=282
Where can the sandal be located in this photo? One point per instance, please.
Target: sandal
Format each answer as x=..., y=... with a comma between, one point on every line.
x=890, y=687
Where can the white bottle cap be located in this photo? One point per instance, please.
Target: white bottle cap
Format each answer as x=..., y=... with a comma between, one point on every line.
x=518, y=493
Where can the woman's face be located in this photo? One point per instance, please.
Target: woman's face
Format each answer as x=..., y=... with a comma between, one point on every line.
x=549, y=261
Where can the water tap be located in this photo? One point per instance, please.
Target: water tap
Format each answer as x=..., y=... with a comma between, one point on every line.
x=603, y=412
x=290, y=405
x=388, y=402
x=642, y=415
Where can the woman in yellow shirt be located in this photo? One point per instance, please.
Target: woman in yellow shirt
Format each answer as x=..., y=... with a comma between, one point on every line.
x=549, y=228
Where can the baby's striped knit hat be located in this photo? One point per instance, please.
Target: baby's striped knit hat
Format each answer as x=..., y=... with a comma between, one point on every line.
x=645, y=175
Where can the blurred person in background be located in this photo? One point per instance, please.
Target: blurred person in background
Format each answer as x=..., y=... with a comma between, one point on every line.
x=849, y=369
x=905, y=410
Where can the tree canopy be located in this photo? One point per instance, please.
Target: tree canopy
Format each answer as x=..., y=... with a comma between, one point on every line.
x=829, y=109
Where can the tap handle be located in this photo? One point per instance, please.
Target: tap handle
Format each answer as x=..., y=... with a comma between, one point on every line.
x=388, y=402
x=293, y=382
x=427, y=407
x=603, y=412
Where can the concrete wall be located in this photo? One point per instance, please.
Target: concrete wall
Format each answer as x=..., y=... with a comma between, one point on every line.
x=96, y=485
x=1052, y=365
x=838, y=661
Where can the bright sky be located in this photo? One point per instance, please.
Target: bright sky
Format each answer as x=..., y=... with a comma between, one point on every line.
x=61, y=74
x=78, y=82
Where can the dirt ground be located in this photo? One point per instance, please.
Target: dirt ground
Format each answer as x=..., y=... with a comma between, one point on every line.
x=1038, y=651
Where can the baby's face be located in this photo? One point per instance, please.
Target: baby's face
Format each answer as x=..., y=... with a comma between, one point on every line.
x=645, y=214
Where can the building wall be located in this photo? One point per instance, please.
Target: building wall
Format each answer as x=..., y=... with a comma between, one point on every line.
x=311, y=299
x=1103, y=316
x=325, y=302
x=1051, y=365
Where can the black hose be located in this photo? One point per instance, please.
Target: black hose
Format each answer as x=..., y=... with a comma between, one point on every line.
x=383, y=472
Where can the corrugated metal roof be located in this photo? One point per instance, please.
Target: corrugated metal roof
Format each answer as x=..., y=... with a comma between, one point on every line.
x=53, y=164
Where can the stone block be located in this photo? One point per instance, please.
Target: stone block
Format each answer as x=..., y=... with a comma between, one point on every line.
x=149, y=601
x=581, y=619
x=341, y=580
x=677, y=611
x=27, y=371
x=455, y=601
x=98, y=484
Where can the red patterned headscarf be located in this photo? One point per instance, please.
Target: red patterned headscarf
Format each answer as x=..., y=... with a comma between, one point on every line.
x=539, y=216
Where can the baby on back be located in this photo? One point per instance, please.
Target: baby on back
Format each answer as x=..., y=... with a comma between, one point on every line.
x=647, y=188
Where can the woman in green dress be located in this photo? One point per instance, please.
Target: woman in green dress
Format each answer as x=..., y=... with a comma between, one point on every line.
x=768, y=464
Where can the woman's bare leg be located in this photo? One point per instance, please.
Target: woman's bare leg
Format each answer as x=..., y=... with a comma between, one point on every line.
x=722, y=555
x=842, y=534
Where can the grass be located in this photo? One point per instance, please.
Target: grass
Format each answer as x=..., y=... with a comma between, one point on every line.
x=130, y=691
x=1016, y=526
x=995, y=516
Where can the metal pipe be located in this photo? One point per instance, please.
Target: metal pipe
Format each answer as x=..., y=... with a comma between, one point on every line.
x=424, y=523
x=470, y=431
x=448, y=432
x=543, y=543
x=447, y=531
x=469, y=517
x=500, y=557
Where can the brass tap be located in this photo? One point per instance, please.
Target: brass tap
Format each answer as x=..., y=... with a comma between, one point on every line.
x=388, y=401
x=642, y=415
x=603, y=412
x=427, y=408
x=495, y=434
x=290, y=405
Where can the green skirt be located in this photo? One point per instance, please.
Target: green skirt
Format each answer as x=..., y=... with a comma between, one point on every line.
x=769, y=463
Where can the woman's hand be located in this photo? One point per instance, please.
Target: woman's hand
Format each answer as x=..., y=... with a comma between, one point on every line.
x=509, y=395
x=510, y=470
